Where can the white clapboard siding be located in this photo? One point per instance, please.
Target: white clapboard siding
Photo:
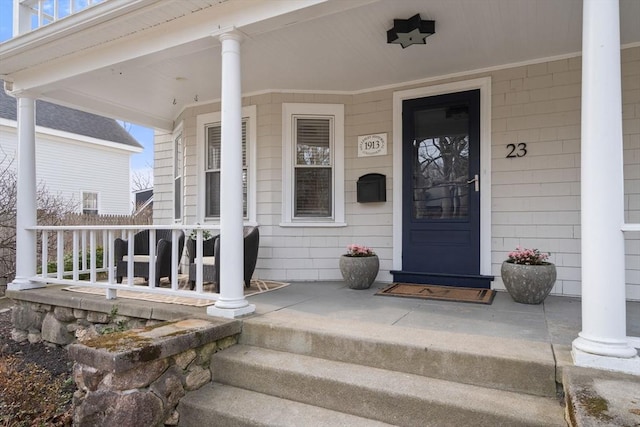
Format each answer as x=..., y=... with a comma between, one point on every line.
x=163, y=179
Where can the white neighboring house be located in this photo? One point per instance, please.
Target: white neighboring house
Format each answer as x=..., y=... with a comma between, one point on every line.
x=80, y=156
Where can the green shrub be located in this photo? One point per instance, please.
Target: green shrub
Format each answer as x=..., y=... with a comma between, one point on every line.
x=52, y=266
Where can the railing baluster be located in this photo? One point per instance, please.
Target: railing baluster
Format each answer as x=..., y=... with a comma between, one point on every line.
x=152, y=258
x=130, y=249
x=84, y=250
x=45, y=252
x=105, y=245
x=74, y=256
x=92, y=256
x=60, y=254
x=111, y=293
x=199, y=261
x=174, y=260
x=111, y=256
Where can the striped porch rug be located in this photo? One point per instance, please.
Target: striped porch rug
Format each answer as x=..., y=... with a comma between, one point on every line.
x=257, y=287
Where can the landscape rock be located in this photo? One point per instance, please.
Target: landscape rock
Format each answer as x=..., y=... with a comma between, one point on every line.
x=64, y=314
x=183, y=359
x=96, y=317
x=24, y=318
x=138, y=377
x=169, y=387
x=108, y=408
x=197, y=377
x=55, y=331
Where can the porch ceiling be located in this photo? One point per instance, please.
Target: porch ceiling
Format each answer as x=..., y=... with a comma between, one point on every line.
x=134, y=72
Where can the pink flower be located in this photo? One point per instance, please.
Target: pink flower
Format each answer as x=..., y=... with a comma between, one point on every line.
x=356, y=250
x=528, y=256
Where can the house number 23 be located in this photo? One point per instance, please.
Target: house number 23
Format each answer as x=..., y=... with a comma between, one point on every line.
x=516, y=150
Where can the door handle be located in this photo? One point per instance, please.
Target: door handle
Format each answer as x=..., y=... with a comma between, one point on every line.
x=475, y=181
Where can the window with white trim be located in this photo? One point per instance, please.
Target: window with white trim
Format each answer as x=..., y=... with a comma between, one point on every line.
x=178, y=163
x=314, y=164
x=89, y=203
x=212, y=169
x=209, y=141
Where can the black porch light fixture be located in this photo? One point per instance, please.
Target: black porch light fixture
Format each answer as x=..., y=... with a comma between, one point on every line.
x=414, y=30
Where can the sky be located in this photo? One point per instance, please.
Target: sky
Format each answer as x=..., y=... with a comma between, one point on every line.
x=141, y=163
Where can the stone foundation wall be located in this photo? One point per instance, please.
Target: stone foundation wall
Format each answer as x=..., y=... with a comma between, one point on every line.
x=145, y=395
x=64, y=325
x=128, y=371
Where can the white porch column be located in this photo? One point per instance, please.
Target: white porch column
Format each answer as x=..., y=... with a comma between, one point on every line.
x=232, y=302
x=602, y=342
x=26, y=195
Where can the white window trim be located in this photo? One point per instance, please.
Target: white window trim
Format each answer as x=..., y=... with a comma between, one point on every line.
x=202, y=120
x=82, y=193
x=289, y=111
x=177, y=132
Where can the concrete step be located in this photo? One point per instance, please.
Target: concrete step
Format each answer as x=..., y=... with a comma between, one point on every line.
x=223, y=405
x=392, y=397
x=497, y=363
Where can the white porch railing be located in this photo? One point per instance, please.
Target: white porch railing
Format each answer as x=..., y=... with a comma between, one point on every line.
x=38, y=13
x=69, y=255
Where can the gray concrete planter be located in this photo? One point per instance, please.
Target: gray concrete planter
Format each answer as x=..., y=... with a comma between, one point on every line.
x=528, y=284
x=359, y=272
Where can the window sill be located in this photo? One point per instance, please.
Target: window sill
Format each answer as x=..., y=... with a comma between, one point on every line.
x=313, y=224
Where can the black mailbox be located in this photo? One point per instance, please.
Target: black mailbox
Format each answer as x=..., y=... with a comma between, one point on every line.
x=372, y=187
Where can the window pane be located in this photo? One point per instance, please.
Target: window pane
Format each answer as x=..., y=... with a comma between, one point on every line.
x=212, y=180
x=244, y=143
x=244, y=193
x=177, y=175
x=213, y=194
x=90, y=201
x=440, y=171
x=177, y=198
x=313, y=142
x=214, y=140
x=313, y=192
x=178, y=157
x=212, y=205
x=441, y=163
x=213, y=147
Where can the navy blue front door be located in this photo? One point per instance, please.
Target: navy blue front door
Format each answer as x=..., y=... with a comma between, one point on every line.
x=441, y=191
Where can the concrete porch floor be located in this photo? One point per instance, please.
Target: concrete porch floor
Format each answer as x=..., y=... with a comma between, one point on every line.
x=557, y=320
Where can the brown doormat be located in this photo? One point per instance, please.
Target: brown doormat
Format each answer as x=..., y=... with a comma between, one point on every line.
x=445, y=293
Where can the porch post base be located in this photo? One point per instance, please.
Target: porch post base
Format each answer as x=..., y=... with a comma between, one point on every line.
x=231, y=312
x=620, y=357
x=22, y=284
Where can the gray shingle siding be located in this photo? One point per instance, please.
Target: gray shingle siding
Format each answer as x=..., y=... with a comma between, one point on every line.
x=66, y=119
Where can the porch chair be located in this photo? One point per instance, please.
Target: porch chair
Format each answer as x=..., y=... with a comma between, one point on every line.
x=208, y=260
x=141, y=254
x=211, y=258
